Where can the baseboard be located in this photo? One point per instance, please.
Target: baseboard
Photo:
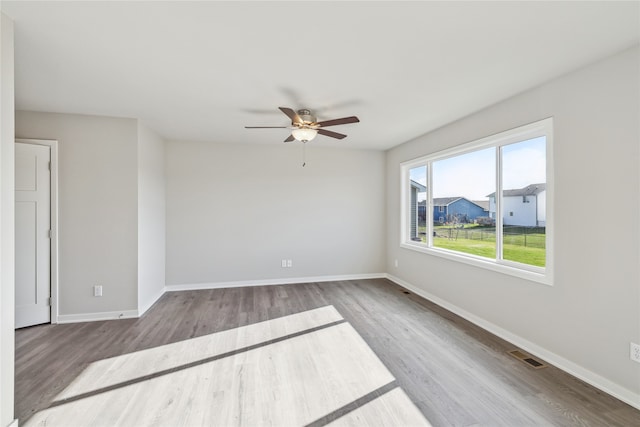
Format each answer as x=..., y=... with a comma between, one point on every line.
x=270, y=282
x=13, y=423
x=110, y=315
x=560, y=362
x=133, y=314
x=94, y=317
x=143, y=309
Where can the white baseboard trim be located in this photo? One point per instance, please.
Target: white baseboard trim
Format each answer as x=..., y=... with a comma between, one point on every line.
x=133, y=314
x=143, y=309
x=270, y=282
x=560, y=362
x=94, y=317
x=13, y=423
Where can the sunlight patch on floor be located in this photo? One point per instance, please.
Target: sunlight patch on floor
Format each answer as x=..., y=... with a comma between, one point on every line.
x=391, y=409
x=312, y=372
x=127, y=367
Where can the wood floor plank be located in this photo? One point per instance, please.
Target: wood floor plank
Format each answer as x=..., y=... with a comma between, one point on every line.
x=455, y=373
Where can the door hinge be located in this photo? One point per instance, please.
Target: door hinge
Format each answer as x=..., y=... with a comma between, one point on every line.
x=49, y=301
x=50, y=233
x=49, y=165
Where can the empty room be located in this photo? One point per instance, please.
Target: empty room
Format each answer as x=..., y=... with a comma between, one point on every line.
x=367, y=213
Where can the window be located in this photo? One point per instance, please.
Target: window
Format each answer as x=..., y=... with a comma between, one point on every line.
x=458, y=181
x=495, y=190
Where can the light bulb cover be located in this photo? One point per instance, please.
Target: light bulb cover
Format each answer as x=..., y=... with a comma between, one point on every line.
x=304, y=134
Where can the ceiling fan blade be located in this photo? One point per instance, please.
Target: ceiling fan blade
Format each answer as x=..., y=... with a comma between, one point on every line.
x=295, y=118
x=265, y=127
x=331, y=134
x=291, y=138
x=342, y=121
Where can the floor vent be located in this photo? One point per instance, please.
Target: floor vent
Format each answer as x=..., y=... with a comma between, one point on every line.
x=406, y=292
x=536, y=364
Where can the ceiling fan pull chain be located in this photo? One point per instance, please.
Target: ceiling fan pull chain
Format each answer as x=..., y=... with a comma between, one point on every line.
x=304, y=154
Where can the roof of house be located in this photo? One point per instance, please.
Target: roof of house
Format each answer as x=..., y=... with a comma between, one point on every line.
x=529, y=190
x=417, y=185
x=484, y=204
x=446, y=201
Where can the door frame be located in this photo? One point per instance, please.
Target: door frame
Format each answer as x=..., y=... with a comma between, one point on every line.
x=53, y=146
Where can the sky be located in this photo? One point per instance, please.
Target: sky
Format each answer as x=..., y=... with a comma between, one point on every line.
x=472, y=175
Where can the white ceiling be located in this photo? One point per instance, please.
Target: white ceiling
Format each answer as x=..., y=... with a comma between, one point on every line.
x=201, y=71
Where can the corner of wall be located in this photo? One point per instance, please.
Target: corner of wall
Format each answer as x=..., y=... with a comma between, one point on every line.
x=7, y=137
x=151, y=217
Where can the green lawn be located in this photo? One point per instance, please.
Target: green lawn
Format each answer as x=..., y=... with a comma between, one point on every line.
x=520, y=244
x=487, y=248
x=475, y=247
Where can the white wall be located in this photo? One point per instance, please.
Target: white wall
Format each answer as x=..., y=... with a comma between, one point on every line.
x=541, y=206
x=151, y=218
x=6, y=222
x=98, y=208
x=592, y=312
x=233, y=212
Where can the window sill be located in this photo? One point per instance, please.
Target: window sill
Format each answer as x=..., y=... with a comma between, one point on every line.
x=488, y=264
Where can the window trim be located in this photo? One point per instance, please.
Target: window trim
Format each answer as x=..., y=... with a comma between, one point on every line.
x=542, y=275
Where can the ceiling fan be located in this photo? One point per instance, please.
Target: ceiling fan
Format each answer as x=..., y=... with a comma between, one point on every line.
x=304, y=126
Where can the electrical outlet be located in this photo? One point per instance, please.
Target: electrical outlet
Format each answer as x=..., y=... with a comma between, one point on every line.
x=283, y=263
x=634, y=352
x=97, y=291
x=289, y=263
x=395, y=262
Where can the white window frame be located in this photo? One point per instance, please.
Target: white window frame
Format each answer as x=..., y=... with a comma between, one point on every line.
x=533, y=273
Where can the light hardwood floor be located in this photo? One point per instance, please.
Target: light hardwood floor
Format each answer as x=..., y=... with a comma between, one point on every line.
x=358, y=352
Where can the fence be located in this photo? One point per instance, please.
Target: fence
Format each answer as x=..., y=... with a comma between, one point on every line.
x=533, y=237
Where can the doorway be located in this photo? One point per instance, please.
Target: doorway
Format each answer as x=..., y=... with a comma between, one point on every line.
x=35, y=232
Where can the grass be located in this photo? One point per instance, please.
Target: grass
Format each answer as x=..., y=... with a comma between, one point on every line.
x=526, y=255
x=519, y=245
x=485, y=248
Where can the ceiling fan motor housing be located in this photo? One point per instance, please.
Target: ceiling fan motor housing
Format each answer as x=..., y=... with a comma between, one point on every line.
x=306, y=116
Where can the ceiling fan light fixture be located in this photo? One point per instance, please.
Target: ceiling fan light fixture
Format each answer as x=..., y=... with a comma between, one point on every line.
x=304, y=134
x=304, y=126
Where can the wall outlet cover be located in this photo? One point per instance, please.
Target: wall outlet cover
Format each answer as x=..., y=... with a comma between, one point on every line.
x=634, y=352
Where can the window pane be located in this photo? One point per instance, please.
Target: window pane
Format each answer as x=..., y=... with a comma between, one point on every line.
x=524, y=202
x=418, y=204
x=461, y=189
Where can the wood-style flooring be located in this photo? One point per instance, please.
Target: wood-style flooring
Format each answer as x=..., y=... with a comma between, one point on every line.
x=361, y=352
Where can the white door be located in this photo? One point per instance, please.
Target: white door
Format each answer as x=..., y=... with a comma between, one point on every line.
x=33, y=244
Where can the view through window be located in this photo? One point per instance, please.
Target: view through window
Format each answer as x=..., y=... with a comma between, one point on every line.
x=461, y=186
x=524, y=201
x=487, y=199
